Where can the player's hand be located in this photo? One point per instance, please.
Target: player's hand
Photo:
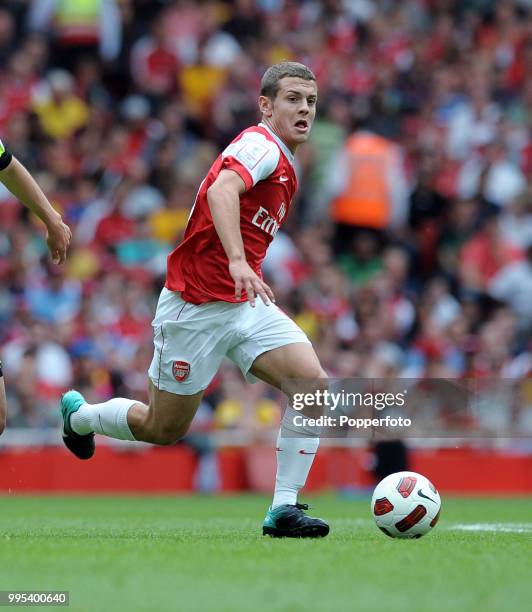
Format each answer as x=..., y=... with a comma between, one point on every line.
x=246, y=280
x=58, y=239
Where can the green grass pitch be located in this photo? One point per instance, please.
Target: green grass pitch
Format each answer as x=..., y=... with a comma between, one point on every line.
x=207, y=553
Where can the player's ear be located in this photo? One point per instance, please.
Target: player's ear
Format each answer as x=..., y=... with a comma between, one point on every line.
x=265, y=106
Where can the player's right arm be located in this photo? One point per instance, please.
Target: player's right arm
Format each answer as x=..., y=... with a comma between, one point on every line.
x=24, y=187
x=223, y=197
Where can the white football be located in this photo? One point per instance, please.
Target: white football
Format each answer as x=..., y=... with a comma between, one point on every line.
x=405, y=505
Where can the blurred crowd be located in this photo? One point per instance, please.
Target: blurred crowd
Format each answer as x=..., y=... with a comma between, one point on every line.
x=119, y=107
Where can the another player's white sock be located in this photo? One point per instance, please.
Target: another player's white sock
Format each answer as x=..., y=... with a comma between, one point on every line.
x=108, y=418
x=294, y=459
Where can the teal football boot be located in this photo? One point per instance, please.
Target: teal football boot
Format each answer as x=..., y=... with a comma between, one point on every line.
x=289, y=521
x=81, y=446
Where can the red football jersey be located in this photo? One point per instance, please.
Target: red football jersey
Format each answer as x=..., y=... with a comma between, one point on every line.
x=199, y=267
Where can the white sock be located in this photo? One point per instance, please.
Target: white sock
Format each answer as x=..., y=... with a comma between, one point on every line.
x=294, y=459
x=108, y=418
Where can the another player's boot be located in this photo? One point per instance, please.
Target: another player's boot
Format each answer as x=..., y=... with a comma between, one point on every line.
x=289, y=521
x=82, y=446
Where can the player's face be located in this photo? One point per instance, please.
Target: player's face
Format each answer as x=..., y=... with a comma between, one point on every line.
x=292, y=112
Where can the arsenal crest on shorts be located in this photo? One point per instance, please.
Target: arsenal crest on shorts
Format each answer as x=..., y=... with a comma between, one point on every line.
x=181, y=370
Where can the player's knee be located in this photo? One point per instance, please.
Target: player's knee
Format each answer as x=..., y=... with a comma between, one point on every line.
x=310, y=376
x=163, y=439
x=322, y=374
x=169, y=435
x=314, y=372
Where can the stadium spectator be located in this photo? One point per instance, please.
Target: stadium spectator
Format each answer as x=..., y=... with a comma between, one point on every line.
x=484, y=255
x=513, y=285
x=7, y=35
x=60, y=111
x=368, y=186
x=154, y=67
x=84, y=27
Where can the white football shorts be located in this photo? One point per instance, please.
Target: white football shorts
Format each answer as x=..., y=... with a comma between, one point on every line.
x=190, y=340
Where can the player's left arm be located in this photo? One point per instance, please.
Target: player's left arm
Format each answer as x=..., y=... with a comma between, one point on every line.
x=223, y=197
x=24, y=187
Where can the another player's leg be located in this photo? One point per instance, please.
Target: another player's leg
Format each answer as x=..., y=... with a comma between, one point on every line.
x=164, y=421
x=296, y=446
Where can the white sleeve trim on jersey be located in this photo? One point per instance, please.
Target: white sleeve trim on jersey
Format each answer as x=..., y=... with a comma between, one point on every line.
x=256, y=153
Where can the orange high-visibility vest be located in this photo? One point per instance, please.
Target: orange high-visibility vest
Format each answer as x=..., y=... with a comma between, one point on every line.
x=366, y=199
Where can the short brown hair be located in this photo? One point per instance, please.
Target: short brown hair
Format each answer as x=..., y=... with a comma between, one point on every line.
x=269, y=85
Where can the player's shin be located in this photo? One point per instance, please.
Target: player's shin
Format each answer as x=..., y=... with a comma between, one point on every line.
x=296, y=449
x=108, y=418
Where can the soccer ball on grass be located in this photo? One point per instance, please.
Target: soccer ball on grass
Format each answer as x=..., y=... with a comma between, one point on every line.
x=405, y=505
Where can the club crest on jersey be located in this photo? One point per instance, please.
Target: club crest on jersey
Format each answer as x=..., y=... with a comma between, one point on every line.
x=180, y=370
